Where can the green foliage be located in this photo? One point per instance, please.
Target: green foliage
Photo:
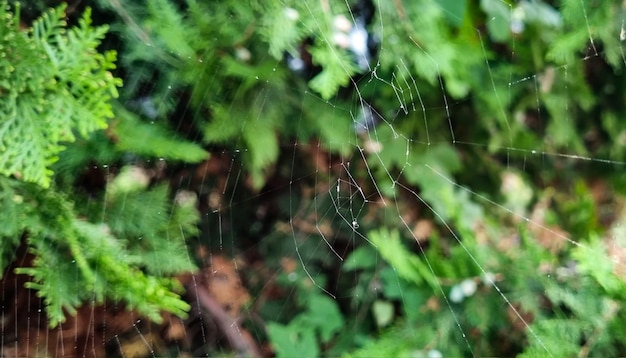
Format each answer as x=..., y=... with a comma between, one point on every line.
x=422, y=41
x=17, y=216
x=237, y=90
x=148, y=139
x=603, y=21
x=587, y=309
x=319, y=322
x=338, y=67
x=157, y=236
x=101, y=266
x=408, y=266
x=245, y=99
x=584, y=303
x=495, y=84
x=284, y=28
x=514, y=76
x=104, y=264
x=55, y=85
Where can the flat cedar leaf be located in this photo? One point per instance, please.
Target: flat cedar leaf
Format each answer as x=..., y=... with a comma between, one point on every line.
x=592, y=261
x=337, y=68
x=154, y=140
x=167, y=255
x=247, y=73
x=146, y=293
x=157, y=235
x=558, y=338
x=50, y=273
x=184, y=221
x=77, y=261
x=391, y=249
x=225, y=124
x=55, y=84
x=61, y=271
x=281, y=30
x=402, y=340
x=170, y=27
x=15, y=216
x=127, y=215
x=565, y=49
x=119, y=278
x=583, y=305
x=563, y=133
x=328, y=81
x=262, y=148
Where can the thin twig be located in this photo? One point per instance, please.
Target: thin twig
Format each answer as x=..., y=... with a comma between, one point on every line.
x=228, y=325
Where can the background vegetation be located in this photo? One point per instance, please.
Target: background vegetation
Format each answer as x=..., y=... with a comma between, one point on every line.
x=140, y=140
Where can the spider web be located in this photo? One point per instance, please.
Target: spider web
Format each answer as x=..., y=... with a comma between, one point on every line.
x=328, y=210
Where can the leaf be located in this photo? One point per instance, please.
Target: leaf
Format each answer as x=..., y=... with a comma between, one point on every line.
x=138, y=214
x=16, y=215
x=225, y=124
x=56, y=84
x=153, y=139
x=556, y=337
x=592, y=261
x=407, y=265
x=171, y=29
x=119, y=278
x=393, y=287
x=498, y=23
x=336, y=129
x=454, y=10
x=324, y=315
x=293, y=340
x=49, y=277
x=337, y=68
x=153, y=230
x=281, y=30
x=383, y=312
x=262, y=149
x=364, y=257
x=541, y=13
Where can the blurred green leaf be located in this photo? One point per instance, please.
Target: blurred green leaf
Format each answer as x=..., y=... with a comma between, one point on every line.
x=364, y=257
x=383, y=312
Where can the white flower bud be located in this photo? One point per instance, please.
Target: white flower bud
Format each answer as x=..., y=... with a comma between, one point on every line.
x=243, y=54
x=468, y=287
x=456, y=294
x=341, y=23
x=434, y=353
x=291, y=14
x=342, y=40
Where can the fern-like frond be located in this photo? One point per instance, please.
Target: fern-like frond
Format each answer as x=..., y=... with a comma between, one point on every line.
x=54, y=83
x=77, y=261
